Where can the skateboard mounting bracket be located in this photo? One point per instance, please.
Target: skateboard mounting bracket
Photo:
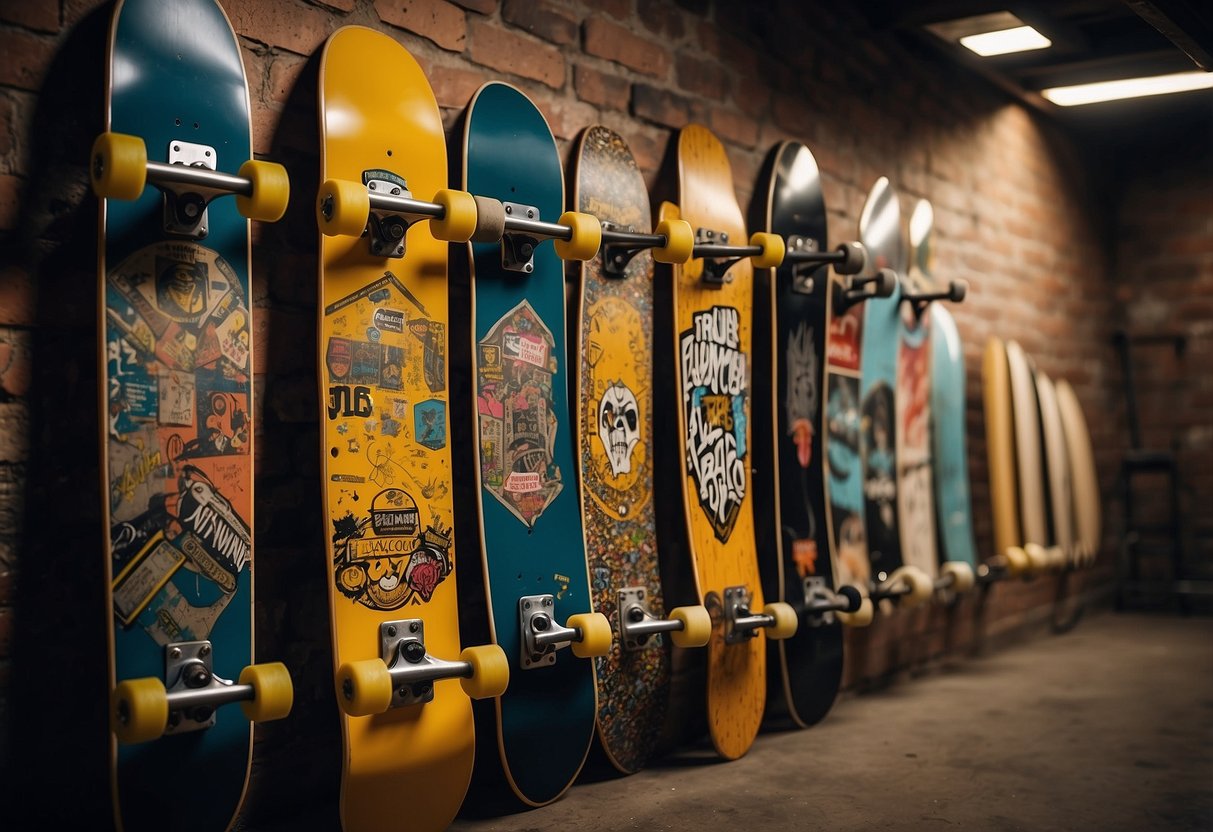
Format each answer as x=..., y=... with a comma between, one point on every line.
x=194, y=691
x=387, y=229
x=541, y=635
x=637, y=623
x=518, y=247
x=185, y=205
x=715, y=269
x=412, y=668
x=739, y=623
x=803, y=272
x=820, y=601
x=617, y=255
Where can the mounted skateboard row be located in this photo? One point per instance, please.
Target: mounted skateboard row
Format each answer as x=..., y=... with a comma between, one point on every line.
x=836, y=483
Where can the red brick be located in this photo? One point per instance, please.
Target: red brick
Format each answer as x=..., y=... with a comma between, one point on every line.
x=605, y=39
x=454, y=86
x=479, y=6
x=26, y=58
x=751, y=96
x=542, y=19
x=566, y=116
x=435, y=20
x=10, y=201
x=516, y=54
x=660, y=106
x=728, y=49
x=17, y=296
x=603, y=89
x=290, y=26
x=734, y=127
x=284, y=74
x=705, y=78
x=618, y=9
x=32, y=14
x=660, y=18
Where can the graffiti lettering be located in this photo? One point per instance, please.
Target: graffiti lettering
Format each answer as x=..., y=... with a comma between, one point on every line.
x=347, y=401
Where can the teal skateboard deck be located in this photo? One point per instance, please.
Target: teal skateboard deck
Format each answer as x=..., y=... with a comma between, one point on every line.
x=880, y=233
x=530, y=533
x=177, y=394
x=789, y=335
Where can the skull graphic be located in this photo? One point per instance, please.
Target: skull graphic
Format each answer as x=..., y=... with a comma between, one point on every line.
x=618, y=426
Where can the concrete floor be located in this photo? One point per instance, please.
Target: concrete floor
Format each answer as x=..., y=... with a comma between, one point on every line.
x=1108, y=727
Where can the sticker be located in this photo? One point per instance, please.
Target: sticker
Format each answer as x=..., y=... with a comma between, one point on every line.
x=433, y=345
x=800, y=399
x=388, y=320
x=339, y=357
x=176, y=398
x=429, y=423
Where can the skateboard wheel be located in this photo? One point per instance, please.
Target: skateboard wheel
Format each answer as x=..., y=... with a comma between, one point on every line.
x=1038, y=558
x=772, y=249
x=119, y=166
x=587, y=236
x=490, y=220
x=343, y=208
x=862, y=617
x=273, y=693
x=140, y=710
x=364, y=687
x=271, y=191
x=957, y=290
x=679, y=242
x=696, y=626
x=920, y=584
x=459, y=222
x=963, y=578
x=786, y=620
x=1018, y=562
x=855, y=257
x=595, y=632
x=490, y=671
x=886, y=283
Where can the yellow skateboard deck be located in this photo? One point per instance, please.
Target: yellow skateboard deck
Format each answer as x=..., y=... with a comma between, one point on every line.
x=712, y=334
x=386, y=462
x=1000, y=446
x=1083, y=476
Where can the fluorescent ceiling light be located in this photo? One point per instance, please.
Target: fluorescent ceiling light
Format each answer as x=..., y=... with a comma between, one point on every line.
x=1128, y=88
x=1006, y=41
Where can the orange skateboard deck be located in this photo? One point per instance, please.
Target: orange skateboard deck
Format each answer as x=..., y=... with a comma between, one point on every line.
x=392, y=558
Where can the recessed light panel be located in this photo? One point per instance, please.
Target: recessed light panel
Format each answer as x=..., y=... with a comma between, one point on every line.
x=1128, y=88
x=1006, y=41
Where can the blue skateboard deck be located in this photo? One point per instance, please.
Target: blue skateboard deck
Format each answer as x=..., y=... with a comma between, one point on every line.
x=531, y=533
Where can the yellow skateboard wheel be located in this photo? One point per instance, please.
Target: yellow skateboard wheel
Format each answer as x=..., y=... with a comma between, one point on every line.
x=786, y=620
x=696, y=626
x=1038, y=558
x=679, y=242
x=273, y=693
x=459, y=223
x=772, y=250
x=140, y=710
x=490, y=671
x=343, y=208
x=862, y=617
x=587, y=236
x=364, y=687
x=920, y=585
x=1018, y=562
x=271, y=191
x=119, y=166
x=595, y=632
x=963, y=578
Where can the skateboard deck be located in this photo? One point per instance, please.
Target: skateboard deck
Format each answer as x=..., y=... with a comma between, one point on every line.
x=1083, y=476
x=789, y=349
x=532, y=538
x=614, y=426
x=1000, y=446
x=1029, y=458
x=177, y=441
x=712, y=348
x=1057, y=466
x=391, y=554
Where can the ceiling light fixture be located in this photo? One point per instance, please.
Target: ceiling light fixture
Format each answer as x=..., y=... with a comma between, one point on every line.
x=1005, y=41
x=1128, y=88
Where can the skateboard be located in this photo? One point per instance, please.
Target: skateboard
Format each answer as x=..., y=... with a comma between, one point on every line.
x=891, y=378
x=712, y=304
x=934, y=422
x=391, y=555
x=1029, y=460
x=1000, y=454
x=789, y=349
x=1057, y=467
x=531, y=536
x=176, y=390
x=1083, y=476
x=614, y=425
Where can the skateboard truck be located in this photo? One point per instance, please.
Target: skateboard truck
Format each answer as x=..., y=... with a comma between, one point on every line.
x=908, y=583
x=805, y=256
x=856, y=290
x=955, y=293
x=413, y=670
x=382, y=208
x=589, y=634
x=767, y=251
x=576, y=236
x=821, y=602
x=672, y=242
x=189, y=181
x=740, y=624
x=687, y=626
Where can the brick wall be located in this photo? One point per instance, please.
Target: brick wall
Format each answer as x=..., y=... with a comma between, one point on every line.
x=1016, y=215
